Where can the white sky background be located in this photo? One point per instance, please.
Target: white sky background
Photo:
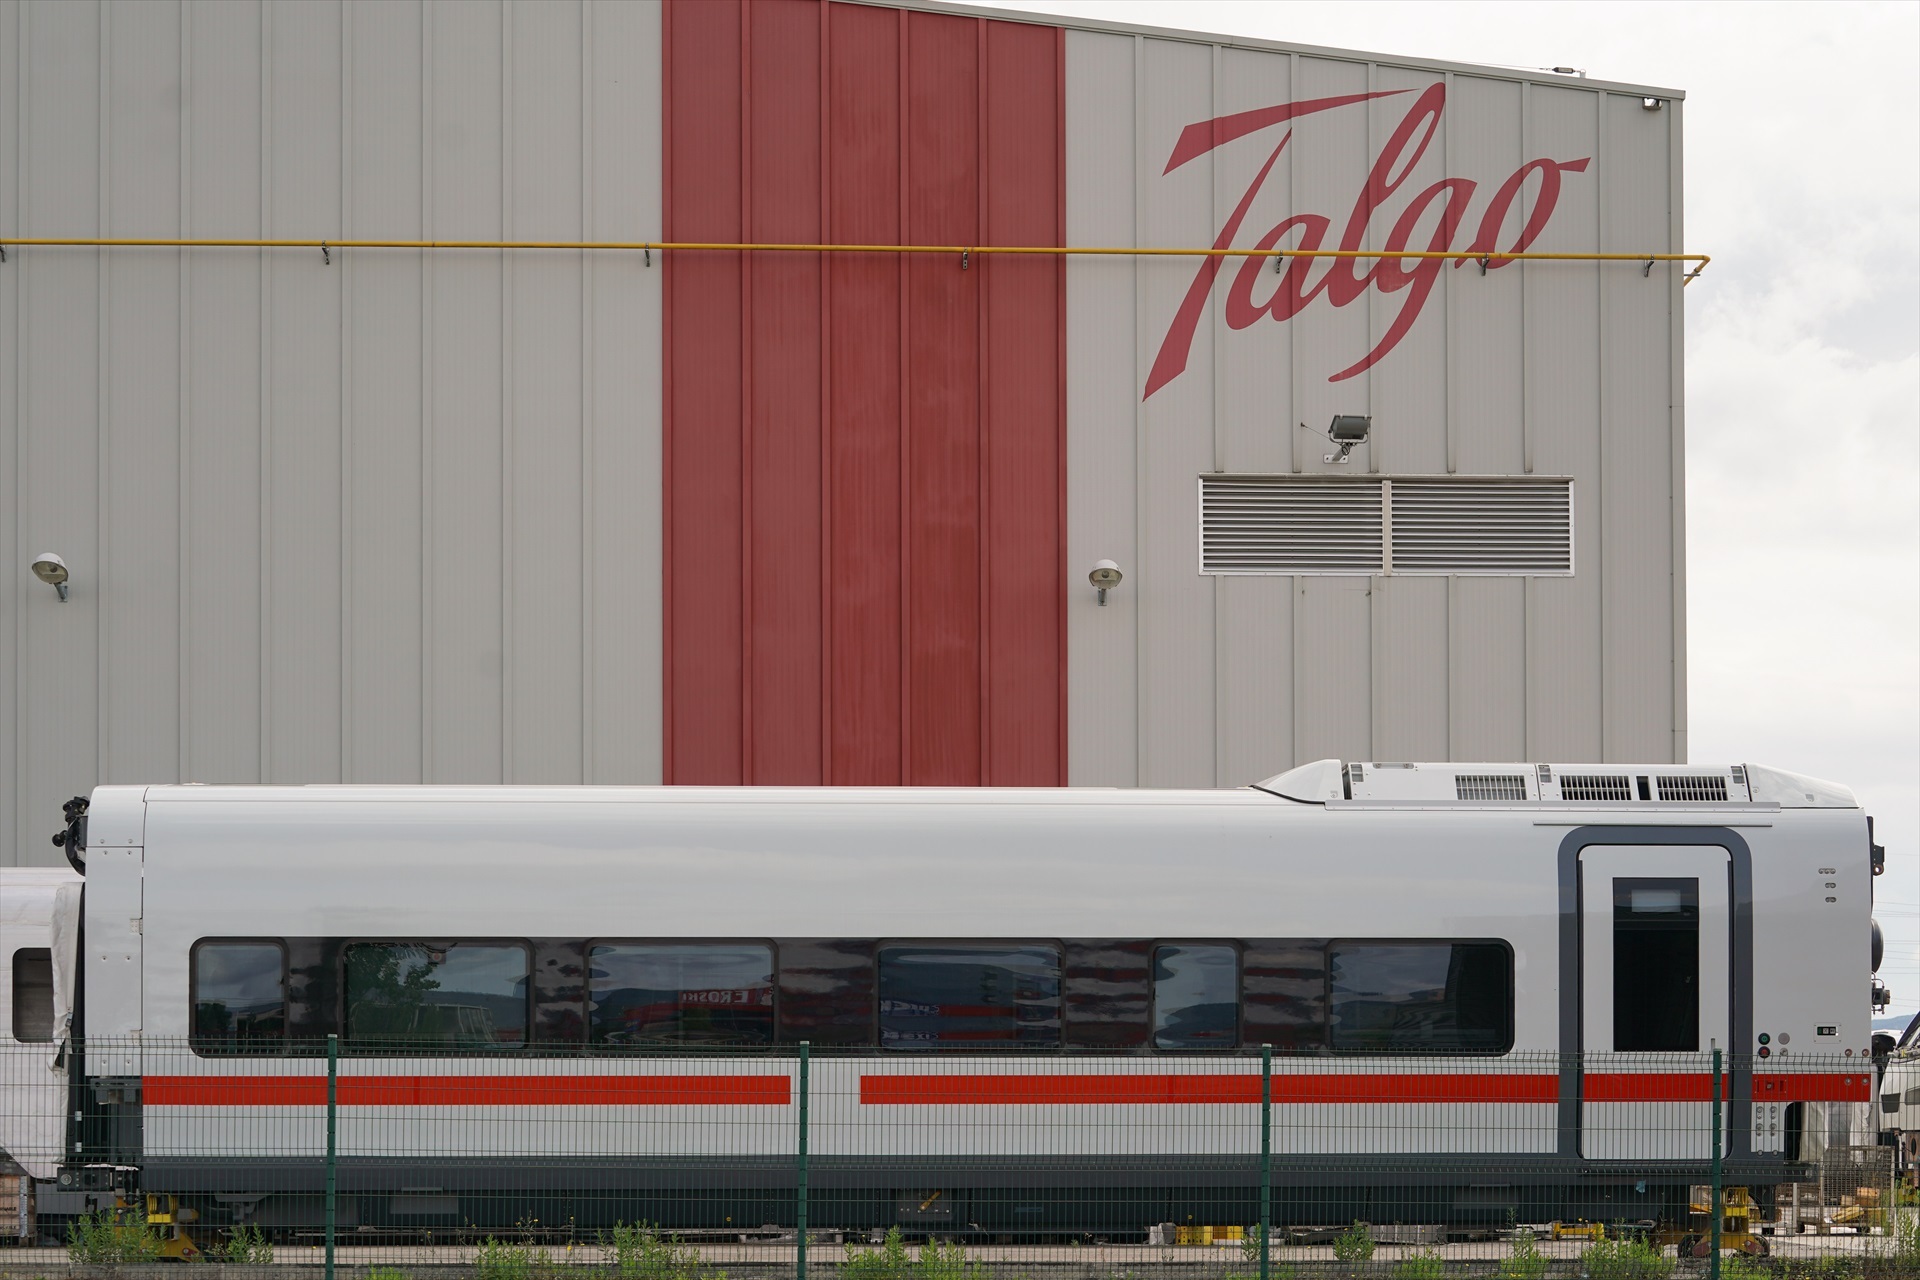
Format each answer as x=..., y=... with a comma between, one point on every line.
x=1803, y=356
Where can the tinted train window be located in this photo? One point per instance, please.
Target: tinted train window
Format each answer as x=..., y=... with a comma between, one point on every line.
x=1656, y=965
x=683, y=993
x=1196, y=997
x=33, y=995
x=239, y=997
x=1420, y=997
x=969, y=997
x=436, y=996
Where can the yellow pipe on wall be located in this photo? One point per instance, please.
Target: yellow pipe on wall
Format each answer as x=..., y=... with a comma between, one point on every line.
x=80, y=242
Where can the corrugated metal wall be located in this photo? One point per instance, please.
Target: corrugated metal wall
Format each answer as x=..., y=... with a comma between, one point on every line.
x=393, y=519
x=1554, y=369
x=864, y=495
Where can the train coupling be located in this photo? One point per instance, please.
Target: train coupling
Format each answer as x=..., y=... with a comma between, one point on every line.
x=98, y=1177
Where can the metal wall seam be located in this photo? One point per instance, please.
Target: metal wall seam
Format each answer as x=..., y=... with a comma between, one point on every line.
x=825, y=367
x=1602, y=157
x=345, y=286
x=16, y=770
x=1677, y=427
x=747, y=773
x=1217, y=370
x=1061, y=733
x=1142, y=357
x=669, y=229
x=103, y=402
x=183, y=478
x=264, y=493
x=588, y=401
x=505, y=365
x=982, y=409
x=906, y=411
x=427, y=353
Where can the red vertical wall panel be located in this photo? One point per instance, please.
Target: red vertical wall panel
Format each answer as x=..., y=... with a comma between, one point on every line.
x=1025, y=308
x=864, y=377
x=704, y=653
x=943, y=411
x=865, y=578
x=783, y=599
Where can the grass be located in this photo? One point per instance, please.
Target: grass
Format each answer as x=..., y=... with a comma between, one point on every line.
x=108, y=1238
x=893, y=1261
x=640, y=1252
x=1625, y=1260
x=246, y=1244
x=1525, y=1261
x=1355, y=1244
x=1423, y=1265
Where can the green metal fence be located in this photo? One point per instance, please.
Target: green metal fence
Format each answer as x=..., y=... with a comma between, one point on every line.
x=687, y=1162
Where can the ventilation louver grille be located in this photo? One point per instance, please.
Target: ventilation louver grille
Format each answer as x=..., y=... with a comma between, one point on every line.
x=1253, y=524
x=1685, y=788
x=1596, y=786
x=1264, y=525
x=1468, y=527
x=1490, y=786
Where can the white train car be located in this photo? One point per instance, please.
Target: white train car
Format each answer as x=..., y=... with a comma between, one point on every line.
x=1506, y=978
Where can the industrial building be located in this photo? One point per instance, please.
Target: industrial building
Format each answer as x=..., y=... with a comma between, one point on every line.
x=638, y=515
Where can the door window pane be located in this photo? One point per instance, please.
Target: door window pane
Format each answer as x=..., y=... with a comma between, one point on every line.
x=1656, y=965
x=417, y=995
x=969, y=997
x=33, y=995
x=691, y=993
x=1421, y=997
x=1196, y=997
x=239, y=997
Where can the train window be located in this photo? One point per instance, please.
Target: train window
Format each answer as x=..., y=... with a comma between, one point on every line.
x=680, y=993
x=1196, y=997
x=33, y=995
x=436, y=996
x=239, y=992
x=942, y=997
x=1420, y=997
x=1656, y=965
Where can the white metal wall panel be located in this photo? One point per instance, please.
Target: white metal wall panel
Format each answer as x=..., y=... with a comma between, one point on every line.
x=385, y=519
x=140, y=419
x=1517, y=371
x=1177, y=701
x=1104, y=370
x=1637, y=549
x=385, y=395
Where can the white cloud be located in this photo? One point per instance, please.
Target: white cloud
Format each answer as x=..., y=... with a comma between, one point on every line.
x=1803, y=355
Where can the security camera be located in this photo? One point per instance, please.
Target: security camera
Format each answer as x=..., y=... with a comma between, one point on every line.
x=1346, y=430
x=52, y=570
x=1106, y=575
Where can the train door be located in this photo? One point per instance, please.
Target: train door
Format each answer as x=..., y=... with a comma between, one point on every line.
x=1655, y=997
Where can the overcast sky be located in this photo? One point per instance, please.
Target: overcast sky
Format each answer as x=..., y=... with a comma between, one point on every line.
x=1803, y=356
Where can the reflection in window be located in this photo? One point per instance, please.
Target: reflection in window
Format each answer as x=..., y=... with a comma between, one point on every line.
x=683, y=993
x=33, y=995
x=978, y=996
x=1656, y=966
x=1421, y=997
x=415, y=995
x=239, y=997
x=1196, y=997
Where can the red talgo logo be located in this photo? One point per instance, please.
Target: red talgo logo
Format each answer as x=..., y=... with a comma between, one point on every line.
x=1340, y=281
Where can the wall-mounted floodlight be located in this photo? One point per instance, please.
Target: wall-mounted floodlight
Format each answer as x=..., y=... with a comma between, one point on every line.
x=1105, y=576
x=52, y=570
x=1346, y=430
x=1650, y=104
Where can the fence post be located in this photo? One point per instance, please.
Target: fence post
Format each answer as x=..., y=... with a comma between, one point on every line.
x=800, y=1206
x=333, y=1135
x=1713, y=1263
x=1266, y=1161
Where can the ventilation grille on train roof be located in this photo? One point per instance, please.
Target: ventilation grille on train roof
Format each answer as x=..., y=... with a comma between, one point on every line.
x=1682, y=787
x=1439, y=525
x=1490, y=786
x=1596, y=786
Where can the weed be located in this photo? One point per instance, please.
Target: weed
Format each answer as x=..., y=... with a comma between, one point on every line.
x=1625, y=1260
x=1355, y=1244
x=108, y=1237
x=1828, y=1268
x=1738, y=1266
x=893, y=1261
x=246, y=1244
x=387, y=1273
x=640, y=1252
x=1524, y=1261
x=1898, y=1256
x=1422, y=1265
x=503, y=1260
